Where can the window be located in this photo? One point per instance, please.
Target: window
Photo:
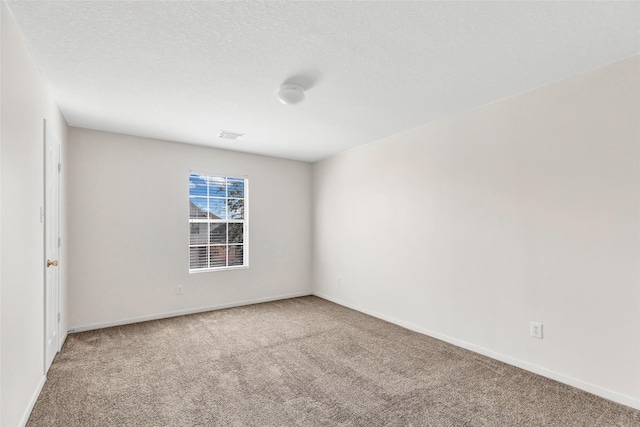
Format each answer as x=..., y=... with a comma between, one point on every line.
x=218, y=226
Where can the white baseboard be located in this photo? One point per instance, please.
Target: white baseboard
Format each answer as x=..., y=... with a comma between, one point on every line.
x=184, y=312
x=557, y=376
x=32, y=401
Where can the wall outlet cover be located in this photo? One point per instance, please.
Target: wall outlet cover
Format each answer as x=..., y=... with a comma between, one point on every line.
x=536, y=330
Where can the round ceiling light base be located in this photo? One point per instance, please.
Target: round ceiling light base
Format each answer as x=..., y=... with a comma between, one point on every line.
x=291, y=94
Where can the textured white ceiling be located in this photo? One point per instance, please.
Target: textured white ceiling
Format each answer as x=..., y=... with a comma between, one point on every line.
x=184, y=70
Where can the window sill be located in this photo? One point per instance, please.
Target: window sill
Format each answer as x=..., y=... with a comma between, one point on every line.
x=209, y=270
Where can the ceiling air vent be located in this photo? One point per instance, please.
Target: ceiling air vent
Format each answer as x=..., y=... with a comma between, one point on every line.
x=230, y=135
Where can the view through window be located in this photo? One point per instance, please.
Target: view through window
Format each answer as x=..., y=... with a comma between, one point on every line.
x=218, y=227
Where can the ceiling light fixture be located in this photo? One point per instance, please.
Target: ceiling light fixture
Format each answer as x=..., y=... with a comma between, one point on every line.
x=291, y=94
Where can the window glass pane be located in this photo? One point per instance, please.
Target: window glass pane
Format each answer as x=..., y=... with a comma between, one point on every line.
x=235, y=233
x=214, y=242
x=236, y=187
x=217, y=209
x=198, y=233
x=198, y=257
x=217, y=186
x=218, y=257
x=197, y=185
x=218, y=233
x=236, y=255
x=197, y=207
x=236, y=208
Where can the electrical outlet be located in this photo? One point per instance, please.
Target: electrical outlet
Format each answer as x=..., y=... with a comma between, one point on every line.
x=179, y=290
x=536, y=330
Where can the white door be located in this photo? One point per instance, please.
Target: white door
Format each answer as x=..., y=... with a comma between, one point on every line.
x=51, y=242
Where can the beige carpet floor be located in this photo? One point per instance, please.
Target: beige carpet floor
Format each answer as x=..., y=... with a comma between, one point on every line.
x=297, y=362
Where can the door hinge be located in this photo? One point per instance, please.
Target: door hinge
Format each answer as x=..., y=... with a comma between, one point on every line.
x=59, y=167
x=58, y=317
x=59, y=241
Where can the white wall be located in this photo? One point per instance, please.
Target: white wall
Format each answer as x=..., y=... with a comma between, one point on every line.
x=524, y=210
x=25, y=102
x=129, y=233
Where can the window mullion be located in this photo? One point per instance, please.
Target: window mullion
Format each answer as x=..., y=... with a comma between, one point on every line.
x=226, y=207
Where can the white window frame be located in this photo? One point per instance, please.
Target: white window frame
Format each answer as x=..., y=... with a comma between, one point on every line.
x=208, y=245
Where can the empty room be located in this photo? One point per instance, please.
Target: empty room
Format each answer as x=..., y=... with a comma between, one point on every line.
x=319, y=213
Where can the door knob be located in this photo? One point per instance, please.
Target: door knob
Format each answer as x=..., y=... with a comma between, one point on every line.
x=50, y=263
